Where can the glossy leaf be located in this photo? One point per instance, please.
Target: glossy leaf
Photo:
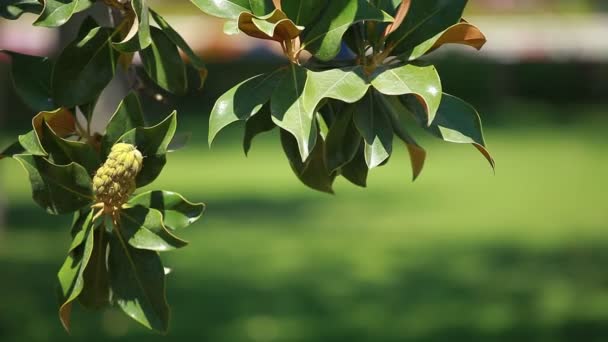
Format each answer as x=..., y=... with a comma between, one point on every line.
x=289, y=112
x=420, y=80
x=175, y=37
x=62, y=121
x=153, y=143
x=375, y=128
x=71, y=274
x=424, y=20
x=177, y=212
x=243, y=101
x=357, y=170
x=96, y=292
x=64, y=152
x=84, y=68
x=128, y=116
x=13, y=9
x=229, y=9
x=313, y=172
x=163, y=64
x=303, y=12
x=137, y=280
x=325, y=37
x=57, y=12
x=143, y=228
x=343, y=140
x=31, y=77
x=57, y=189
x=31, y=144
x=457, y=122
x=462, y=33
x=258, y=124
x=138, y=36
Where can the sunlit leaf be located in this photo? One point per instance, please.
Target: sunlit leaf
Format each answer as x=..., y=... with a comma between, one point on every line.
x=313, y=172
x=143, y=228
x=138, y=37
x=177, y=212
x=57, y=12
x=375, y=128
x=163, y=64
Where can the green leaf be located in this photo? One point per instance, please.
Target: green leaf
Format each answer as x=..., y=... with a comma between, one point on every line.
x=64, y=152
x=424, y=20
x=343, y=140
x=13, y=9
x=457, y=122
x=258, y=124
x=289, y=112
x=84, y=68
x=163, y=64
x=143, y=228
x=32, y=80
x=195, y=60
x=243, y=101
x=273, y=26
x=304, y=12
x=229, y=9
x=356, y=171
x=177, y=212
x=31, y=144
x=11, y=150
x=57, y=189
x=398, y=113
x=137, y=280
x=375, y=128
x=153, y=143
x=128, y=116
x=139, y=36
x=261, y=7
x=313, y=172
x=58, y=12
x=70, y=276
x=325, y=36
x=420, y=80
x=96, y=292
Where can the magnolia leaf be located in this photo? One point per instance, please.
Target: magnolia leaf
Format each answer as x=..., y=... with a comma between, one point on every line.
x=313, y=172
x=13, y=9
x=177, y=212
x=163, y=64
x=138, y=37
x=258, y=124
x=375, y=128
x=57, y=12
x=59, y=189
x=420, y=80
x=289, y=112
x=274, y=26
x=400, y=15
x=31, y=77
x=153, y=143
x=61, y=121
x=243, y=101
x=231, y=27
x=175, y=37
x=70, y=276
x=398, y=114
x=325, y=36
x=31, y=144
x=457, y=122
x=304, y=12
x=343, y=140
x=137, y=280
x=357, y=170
x=96, y=292
x=229, y=9
x=128, y=116
x=424, y=20
x=63, y=151
x=143, y=228
x=84, y=68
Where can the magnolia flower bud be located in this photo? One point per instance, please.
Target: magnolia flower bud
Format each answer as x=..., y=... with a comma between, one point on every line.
x=114, y=181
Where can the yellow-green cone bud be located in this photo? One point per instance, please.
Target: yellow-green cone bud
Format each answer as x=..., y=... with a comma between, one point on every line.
x=114, y=182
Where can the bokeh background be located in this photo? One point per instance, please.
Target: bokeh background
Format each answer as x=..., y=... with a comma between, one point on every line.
x=462, y=254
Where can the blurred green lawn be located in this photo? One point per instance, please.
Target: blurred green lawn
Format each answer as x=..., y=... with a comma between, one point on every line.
x=459, y=255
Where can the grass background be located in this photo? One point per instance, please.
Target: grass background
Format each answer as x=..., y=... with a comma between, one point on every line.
x=459, y=255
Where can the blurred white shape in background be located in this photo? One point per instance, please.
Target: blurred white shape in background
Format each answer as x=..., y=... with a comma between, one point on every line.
x=20, y=36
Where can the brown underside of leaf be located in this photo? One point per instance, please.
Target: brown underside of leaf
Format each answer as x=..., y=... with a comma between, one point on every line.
x=417, y=157
x=65, y=312
x=462, y=33
x=487, y=155
x=62, y=122
x=399, y=17
x=285, y=28
x=277, y=4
